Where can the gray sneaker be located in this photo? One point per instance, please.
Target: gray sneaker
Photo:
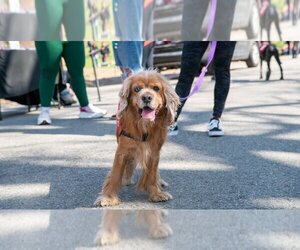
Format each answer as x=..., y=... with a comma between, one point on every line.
x=214, y=128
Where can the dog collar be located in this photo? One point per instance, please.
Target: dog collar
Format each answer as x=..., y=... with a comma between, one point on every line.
x=143, y=139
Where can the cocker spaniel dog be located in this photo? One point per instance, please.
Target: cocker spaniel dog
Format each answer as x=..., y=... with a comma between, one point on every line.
x=147, y=107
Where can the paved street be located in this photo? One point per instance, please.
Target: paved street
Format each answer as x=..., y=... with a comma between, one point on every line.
x=289, y=33
x=256, y=165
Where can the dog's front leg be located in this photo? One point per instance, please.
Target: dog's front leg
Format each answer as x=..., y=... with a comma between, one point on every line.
x=151, y=183
x=109, y=194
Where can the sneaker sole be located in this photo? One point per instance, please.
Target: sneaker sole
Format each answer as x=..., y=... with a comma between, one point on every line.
x=215, y=134
x=43, y=123
x=88, y=116
x=173, y=133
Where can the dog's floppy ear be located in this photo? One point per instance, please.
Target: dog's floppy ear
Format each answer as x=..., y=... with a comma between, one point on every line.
x=172, y=101
x=124, y=96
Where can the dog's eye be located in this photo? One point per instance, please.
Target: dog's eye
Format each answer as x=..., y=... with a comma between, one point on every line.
x=137, y=89
x=155, y=88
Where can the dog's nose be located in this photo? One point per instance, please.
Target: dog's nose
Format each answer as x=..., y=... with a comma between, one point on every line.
x=147, y=99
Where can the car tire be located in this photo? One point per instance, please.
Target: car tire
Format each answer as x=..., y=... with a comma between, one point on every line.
x=253, y=59
x=254, y=23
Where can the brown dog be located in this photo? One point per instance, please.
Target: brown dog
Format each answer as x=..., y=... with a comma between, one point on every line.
x=147, y=107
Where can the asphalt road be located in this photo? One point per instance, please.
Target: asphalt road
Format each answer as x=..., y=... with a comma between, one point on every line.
x=289, y=33
x=255, y=165
x=50, y=176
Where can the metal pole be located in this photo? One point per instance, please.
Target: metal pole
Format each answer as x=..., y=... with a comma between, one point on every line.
x=96, y=78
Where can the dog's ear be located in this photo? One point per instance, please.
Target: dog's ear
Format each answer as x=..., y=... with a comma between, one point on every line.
x=124, y=95
x=172, y=101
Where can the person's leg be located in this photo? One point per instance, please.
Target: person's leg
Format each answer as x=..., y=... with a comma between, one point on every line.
x=74, y=56
x=192, y=54
x=128, y=56
x=49, y=55
x=192, y=19
x=49, y=14
x=222, y=61
x=128, y=19
x=74, y=20
x=223, y=21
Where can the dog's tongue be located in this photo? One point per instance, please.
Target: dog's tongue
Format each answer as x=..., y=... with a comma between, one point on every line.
x=148, y=114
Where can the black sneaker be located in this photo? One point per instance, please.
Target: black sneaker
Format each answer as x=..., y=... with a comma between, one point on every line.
x=173, y=129
x=214, y=128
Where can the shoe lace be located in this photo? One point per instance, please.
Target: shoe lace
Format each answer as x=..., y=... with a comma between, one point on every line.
x=214, y=124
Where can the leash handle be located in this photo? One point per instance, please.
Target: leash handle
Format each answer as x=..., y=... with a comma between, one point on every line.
x=203, y=71
x=212, y=17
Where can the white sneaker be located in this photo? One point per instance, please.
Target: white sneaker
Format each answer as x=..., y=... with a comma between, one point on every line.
x=91, y=111
x=44, y=117
x=214, y=128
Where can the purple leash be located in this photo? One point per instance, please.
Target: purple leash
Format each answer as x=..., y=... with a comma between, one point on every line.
x=212, y=17
x=212, y=51
x=203, y=71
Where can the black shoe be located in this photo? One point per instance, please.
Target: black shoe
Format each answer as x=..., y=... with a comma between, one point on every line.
x=214, y=128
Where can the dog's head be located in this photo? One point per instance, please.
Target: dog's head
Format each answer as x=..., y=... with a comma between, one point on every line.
x=148, y=94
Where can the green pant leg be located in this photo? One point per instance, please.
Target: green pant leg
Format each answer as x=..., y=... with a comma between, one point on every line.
x=74, y=20
x=49, y=55
x=74, y=56
x=49, y=16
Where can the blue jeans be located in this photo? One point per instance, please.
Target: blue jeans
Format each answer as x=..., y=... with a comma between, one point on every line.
x=128, y=18
x=128, y=54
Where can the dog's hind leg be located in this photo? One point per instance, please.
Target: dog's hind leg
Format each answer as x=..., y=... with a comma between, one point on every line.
x=277, y=25
x=269, y=68
x=162, y=183
x=279, y=64
x=261, y=65
x=128, y=172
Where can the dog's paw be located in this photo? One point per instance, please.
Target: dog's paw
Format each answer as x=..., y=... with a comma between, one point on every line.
x=163, y=184
x=281, y=78
x=107, y=238
x=106, y=201
x=127, y=182
x=160, y=231
x=161, y=196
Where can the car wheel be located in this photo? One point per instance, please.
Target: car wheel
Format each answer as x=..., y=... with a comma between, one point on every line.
x=254, y=23
x=253, y=59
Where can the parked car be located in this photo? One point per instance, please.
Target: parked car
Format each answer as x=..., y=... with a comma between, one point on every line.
x=168, y=19
x=167, y=54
